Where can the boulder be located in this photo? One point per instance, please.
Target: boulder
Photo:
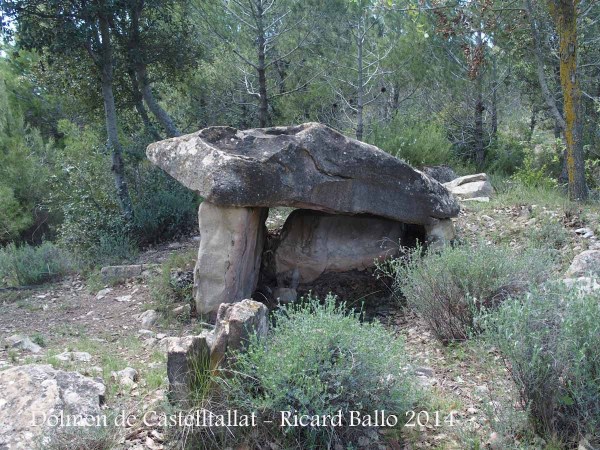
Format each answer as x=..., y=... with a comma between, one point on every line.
x=34, y=397
x=584, y=285
x=443, y=174
x=186, y=357
x=191, y=358
x=112, y=274
x=313, y=243
x=74, y=356
x=231, y=244
x=148, y=318
x=235, y=324
x=585, y=264
x=22, y=343
x=440, y=233
x=471, y=186
x=306, y=166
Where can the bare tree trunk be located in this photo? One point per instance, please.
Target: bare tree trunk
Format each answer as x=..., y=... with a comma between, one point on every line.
x=263, y=107
x=548, y=97
x=494, y=100
x=532, y=121
x=565, y=17
x=140, y=108
x=118, y=167
x=359, y=92
x=161, y=115
x=478, y=137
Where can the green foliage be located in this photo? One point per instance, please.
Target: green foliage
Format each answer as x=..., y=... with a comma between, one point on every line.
x=506, y=155
x=23, y=179
x=166, y=289
x=319, y=360
x=550, y=339
x=28, y=265
x=164, y=209
x=418, y=143
x=532, y=175
x=450, y=288
x=82, y=437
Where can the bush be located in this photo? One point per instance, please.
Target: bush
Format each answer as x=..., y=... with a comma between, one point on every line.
x=28, y=265
x=164, y=209
x=506, y=155
x=171, y=284
x=551, y=341
x=319, y=360
x=417, y=142
x=449, y=289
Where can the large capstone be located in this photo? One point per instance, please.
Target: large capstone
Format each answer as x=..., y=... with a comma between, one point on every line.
x=307, y=166
x=231, y=244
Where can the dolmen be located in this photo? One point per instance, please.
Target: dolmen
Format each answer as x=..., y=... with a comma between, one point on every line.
x=354, y=204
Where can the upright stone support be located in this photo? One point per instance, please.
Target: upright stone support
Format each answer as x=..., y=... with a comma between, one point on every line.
x=231, y=244
x=440, y=233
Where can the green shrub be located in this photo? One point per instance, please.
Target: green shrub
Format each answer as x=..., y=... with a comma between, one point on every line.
x=533, y=175
x=81, y=438
x=551, y=341
x=164, y=209
x=166, y=288
x=448, y=289
x=318, y=360
x=28, y=265
x=417, y=142
x=506, y=155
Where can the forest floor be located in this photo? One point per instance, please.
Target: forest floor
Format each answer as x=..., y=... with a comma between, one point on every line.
x=467, y=384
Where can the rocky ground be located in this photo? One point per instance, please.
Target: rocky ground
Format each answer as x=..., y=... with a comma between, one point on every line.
x=96, y=329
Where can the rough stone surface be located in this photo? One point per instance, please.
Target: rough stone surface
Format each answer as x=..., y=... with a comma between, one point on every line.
x=22, y=343
x=313, y=243
x=184, y=356
x=74, y=356
x=440, y=234
x=148, y=318
x=471, y=186
x=307, y=166
x=443, y=174
x=285, y=295
x=584, y=264
x=40, y=391
x=236, y=322
x=122, y=273
x=585, y=285
x=231, y=243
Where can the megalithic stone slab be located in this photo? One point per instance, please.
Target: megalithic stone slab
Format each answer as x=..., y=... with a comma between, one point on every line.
x=313, y=243
x=308, y=166
x=231, y=244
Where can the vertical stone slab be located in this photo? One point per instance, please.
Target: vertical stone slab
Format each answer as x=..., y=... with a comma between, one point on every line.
x=440, y=234
x=231, y=244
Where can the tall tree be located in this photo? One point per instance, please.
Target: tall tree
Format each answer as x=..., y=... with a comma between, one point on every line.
x=266, y=36
x=564, y=13
x=73, y=29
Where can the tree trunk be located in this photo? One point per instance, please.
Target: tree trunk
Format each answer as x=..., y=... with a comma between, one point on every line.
x=532, y=121
x=564, y=13
x=359, y=92
x=548, y=97
x=263, y=107
x=140, y=108
x=114, y=145
x=478, y=133
x=494, y=100
x=161, y=115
